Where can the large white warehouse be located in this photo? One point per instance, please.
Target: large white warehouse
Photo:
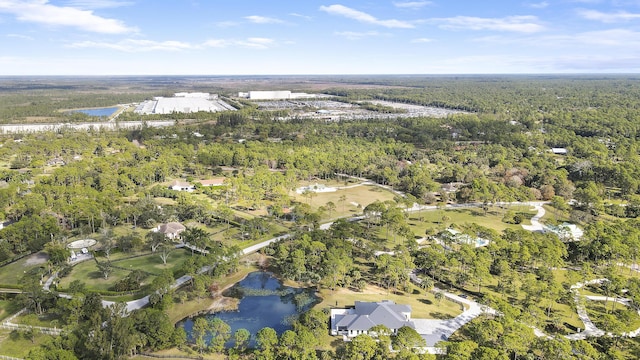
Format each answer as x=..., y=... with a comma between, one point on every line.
x=183, y=103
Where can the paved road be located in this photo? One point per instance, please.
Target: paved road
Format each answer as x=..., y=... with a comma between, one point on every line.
x=535, y=221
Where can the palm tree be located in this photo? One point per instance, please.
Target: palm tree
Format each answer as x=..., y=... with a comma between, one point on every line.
x=439, y=295
x=196, y=237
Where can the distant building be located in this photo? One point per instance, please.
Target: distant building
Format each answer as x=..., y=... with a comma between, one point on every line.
x=183, y=103
x=212, y=182
x=352, y=322
x=559, y=151
x=274, y=95
x=179, y=185
x=171, y=230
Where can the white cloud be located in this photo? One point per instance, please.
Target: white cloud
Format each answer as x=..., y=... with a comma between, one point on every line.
x=133, y=45
x=421, y=40
x=138, y=45
x=41, y=12
x=216, y=43
x=412, y=4
x=521, y=24
x=363, y=17
x=352, y=35
x=619, y=16
x=97, y=4
x=19, y=36
x=539, y=5
x=255, y=43
x=257, y=19
x=306, y=17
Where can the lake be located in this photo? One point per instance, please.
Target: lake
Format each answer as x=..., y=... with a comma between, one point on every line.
x=98, y=111
x=265, y=302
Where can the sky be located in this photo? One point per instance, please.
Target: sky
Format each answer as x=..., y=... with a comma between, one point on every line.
x=308, y=37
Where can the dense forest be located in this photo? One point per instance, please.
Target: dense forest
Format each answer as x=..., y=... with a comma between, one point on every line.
x=112, y=186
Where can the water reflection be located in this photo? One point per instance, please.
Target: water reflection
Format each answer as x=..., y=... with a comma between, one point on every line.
x=265, y=302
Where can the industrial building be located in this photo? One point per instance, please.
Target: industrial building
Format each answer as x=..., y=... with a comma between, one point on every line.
x=183, y=103
x=274, y=95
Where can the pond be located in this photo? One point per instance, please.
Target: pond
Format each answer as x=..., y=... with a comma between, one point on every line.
x=98, y=111
x=264, y=302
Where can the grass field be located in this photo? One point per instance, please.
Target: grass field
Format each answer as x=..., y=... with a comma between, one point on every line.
x=362, y=195
x=8, y=307
x=420, y=221
x=14, y=344
x=152, y=262
x=628, y=318
x=11, y=274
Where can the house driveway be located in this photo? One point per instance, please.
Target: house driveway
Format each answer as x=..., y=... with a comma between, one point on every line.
x=434, y=331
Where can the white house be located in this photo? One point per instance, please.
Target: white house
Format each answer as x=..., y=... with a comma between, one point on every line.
x=352, y=322
x=171, y=230
x=178, y=185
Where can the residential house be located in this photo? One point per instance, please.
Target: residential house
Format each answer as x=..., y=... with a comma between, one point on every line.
x=178, y=185
x=171, y=230
x=352, y=322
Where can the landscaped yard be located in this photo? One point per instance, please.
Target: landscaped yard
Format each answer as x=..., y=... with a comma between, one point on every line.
x=153, y=263
x=89, y=273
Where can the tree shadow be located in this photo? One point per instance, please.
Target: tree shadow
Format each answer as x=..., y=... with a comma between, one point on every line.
x=95, y=275
x=426, y=301
x=439, y=315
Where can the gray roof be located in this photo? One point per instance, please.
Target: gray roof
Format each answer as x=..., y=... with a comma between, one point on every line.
x=366, y=315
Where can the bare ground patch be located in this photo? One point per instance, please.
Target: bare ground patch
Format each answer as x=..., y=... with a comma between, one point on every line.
x=36, y=259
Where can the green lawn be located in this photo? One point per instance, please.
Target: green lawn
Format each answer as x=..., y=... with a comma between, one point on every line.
x=628, y=318
x=433, y=219
x=88, y=273
x=13, y=343
x=153, y=263
x=8, y=308
x=11, y=274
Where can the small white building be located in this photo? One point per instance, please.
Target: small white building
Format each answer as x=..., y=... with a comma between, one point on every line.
x=559, y=151
x=172, y=230
x=179, y=185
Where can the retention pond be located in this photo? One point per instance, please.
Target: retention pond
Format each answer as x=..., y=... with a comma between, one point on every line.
x=264, y=302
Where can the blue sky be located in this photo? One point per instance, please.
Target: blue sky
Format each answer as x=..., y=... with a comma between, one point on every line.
x=216, y=37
